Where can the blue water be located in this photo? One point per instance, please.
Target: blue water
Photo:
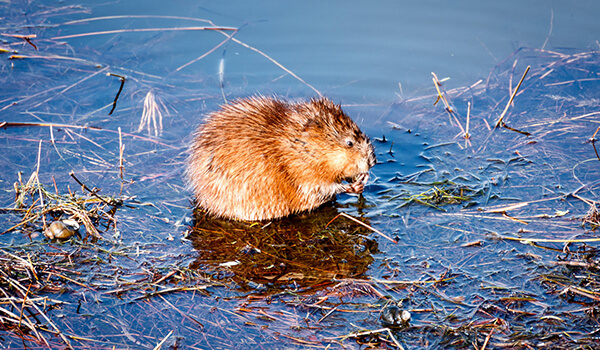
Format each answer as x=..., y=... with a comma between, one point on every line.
x=359, y=51
x=371, y=57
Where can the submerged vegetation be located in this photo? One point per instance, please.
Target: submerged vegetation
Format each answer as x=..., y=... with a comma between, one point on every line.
x=495, y=239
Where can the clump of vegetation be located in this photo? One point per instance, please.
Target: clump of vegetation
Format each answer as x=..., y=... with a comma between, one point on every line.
x=439, y=194
x=23, y=276
x=40, y=206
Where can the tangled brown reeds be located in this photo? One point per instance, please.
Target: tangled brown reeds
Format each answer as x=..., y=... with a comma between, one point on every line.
x=38, y=204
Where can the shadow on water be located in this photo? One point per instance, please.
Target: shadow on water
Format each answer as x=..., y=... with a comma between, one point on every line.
x=300, y=252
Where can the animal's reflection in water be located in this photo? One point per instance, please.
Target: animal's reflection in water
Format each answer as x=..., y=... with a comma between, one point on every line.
x=298, y=252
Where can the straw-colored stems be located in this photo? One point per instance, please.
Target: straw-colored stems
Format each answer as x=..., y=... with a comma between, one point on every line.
x=382, y=330
x=65, y=340
x=27, y=38
x=9, y=316
x=151, y=115
x=437, y=83
x=23, y=305
x=361, y=223
x=17, y=286
x=137, y=30
x=468, y=120
x=487, y=339
x=274, y=61
x=37, y=180
x=208, y=52
x=512, y=96
x=159, y=345
x=442, y=96
x=121, y=151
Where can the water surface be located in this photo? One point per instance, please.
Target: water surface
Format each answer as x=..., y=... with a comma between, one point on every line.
x=466, y=213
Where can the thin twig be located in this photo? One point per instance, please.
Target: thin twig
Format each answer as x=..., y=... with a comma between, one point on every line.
x=27, y=38
x=65, y=340
x=137, y=30
x=122, y=80
x=103, y=18
x=27, y=124
x=276, y=63
x=121, y=151
x=327, y=314
x=468, y=120
x=159, y=345
x=487, y=339
x=208, y=52
x=549, y=31
x=593, y=141
x=512, y=96
x=93, y=193
x=361, y=223
x=547, y=240
x=37, y=179
x=437, y=84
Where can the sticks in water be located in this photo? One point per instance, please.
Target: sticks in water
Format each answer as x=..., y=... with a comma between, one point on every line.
x=500, y=121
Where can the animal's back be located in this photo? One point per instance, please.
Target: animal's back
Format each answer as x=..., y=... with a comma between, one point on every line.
x=261, y=158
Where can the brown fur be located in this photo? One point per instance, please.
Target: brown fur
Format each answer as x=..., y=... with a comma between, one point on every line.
x=261, y=158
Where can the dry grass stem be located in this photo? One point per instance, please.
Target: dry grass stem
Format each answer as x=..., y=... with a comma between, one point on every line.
x=437, y=83
x=530, y=240
x=159, y=345
x=487, y=339
x=86, y=210
x=122, y=83
x=104, y=18
x=140, y=30
x=151, y=115
x=363, y=224
x=468, y=120
x=275, y=62
x=592, y=217
x=512, y=97
x=27, y=124
x=121, y=167
x=209, y=51
x=27, y=38
x=442, y=96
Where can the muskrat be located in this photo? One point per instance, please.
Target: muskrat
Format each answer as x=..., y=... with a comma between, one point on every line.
x=262, y=158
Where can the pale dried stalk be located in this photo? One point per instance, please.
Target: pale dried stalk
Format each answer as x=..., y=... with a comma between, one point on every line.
x=151, y=115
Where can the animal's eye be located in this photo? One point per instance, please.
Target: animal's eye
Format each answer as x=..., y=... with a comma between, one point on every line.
x=350, y=143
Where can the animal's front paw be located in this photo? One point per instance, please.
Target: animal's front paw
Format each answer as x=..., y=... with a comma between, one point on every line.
x=358, y=186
